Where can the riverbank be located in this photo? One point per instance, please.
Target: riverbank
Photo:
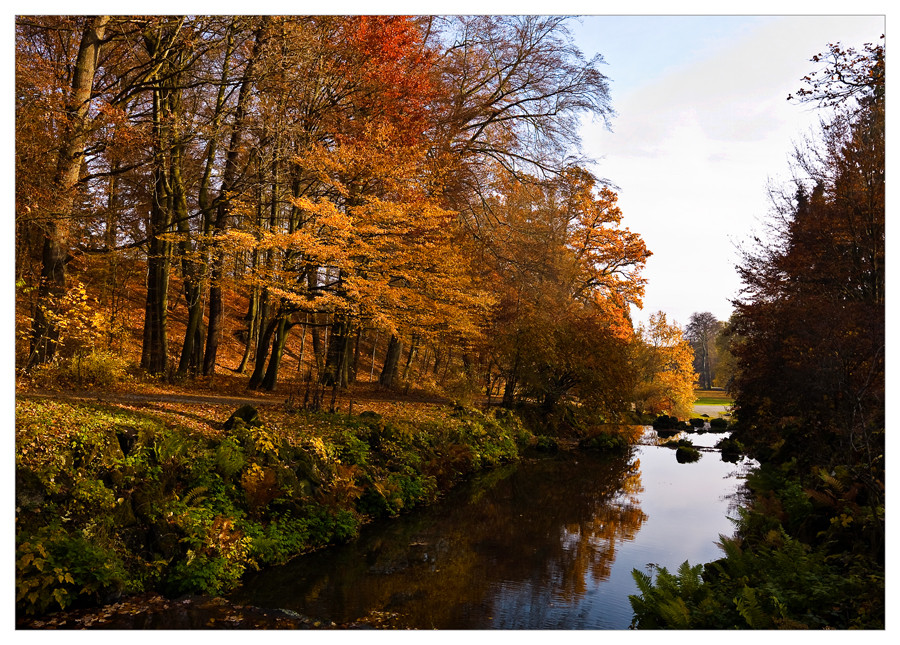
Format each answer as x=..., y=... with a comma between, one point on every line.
x=547, y=542
x=116, y=499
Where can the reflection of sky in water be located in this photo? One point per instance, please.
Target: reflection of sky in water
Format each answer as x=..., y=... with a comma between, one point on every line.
x=686, y=508
x=548, y=545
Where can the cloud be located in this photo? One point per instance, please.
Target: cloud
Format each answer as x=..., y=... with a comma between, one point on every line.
x=693, y=147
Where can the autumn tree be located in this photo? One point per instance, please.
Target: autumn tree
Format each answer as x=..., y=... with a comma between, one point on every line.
x=725, y=363
x=564, y=272
x=702, y=330
x=512, y=92
x=56, y=207
x=662, y=368
x=810, y=319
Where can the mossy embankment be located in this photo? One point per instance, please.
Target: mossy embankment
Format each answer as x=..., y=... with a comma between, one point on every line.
x=114, y=500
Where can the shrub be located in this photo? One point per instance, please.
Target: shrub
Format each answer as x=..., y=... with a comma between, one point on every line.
x=665, y=422
x=731, y=449
x=687, y=454
x=604, y=442
x=96, y=369
x=54, y=568
x=546, y=444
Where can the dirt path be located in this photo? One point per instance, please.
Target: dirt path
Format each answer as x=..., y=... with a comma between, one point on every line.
x=131, y=397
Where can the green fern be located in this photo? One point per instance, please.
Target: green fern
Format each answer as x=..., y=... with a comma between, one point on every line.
x=750, y=610
x=194, y=496
x=229, y=458
x=667, y=602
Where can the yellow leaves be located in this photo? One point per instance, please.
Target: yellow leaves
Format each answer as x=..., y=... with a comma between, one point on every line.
x=663, y=360
x=237, y=240
x=317, y=445
x=76, y=317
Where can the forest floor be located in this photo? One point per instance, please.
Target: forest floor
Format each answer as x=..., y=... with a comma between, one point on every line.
x=206, y=401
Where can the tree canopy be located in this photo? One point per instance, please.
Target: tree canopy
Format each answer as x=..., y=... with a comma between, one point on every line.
x=415, y=179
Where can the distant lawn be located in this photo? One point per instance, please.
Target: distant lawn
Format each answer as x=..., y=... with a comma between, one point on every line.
x=712, y=397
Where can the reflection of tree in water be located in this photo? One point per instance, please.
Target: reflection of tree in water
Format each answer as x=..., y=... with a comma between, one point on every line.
x=589, y=546
x=544, y=528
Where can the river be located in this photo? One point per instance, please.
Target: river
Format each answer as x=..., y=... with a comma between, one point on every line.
x=548, y=543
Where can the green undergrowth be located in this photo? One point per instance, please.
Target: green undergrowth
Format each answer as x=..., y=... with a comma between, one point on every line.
x=111, y=502
x=802, y=558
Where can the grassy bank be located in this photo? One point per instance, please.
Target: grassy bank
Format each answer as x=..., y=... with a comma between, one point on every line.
x=712, y=397
x=113, y=500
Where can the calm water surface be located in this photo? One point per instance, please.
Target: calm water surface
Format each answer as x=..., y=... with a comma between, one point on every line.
x=544, y=544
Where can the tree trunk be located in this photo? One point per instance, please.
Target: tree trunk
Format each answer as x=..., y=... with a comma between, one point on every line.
x=156, y=351
x=281, y=333
x=336, y=360
x=252, y=320
x=229, y=180
x=391, y=362
x=261, y=349
x=354, y=365
x=413, y=351
x=45, y=331
x=512, y=379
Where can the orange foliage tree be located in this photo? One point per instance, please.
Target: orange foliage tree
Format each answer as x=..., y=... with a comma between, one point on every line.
x=565, y=273
x=662, y=367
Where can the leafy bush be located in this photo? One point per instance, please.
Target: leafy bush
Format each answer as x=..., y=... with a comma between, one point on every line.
x=664, y=422
x=54, y=568
x=687, y=454
x=97, y=369
x=604, y=442
x=731, y=448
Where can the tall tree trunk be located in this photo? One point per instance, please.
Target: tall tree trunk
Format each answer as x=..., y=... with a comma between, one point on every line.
x=411, y=357
x=156, y=350
x=282, y=328
x=192, y=275
x=169, y=201
x=252, y=320
x=45, y=331
x=229, y=179
x=512, y=380
x=336, y=360
x=262, y=349
x=192, y=351
x=354, y=365
x=391, y=362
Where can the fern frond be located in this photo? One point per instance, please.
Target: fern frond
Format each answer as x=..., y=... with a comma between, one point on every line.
x=748, y=607
x=194, y=496
x=643, y=581
x=829, y=479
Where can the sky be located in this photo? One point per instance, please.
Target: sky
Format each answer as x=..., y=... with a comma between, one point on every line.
x=702, y=128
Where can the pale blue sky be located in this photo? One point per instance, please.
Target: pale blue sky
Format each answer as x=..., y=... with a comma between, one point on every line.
x=702, y=126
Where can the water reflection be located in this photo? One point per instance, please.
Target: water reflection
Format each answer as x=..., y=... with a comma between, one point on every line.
x=545, y=544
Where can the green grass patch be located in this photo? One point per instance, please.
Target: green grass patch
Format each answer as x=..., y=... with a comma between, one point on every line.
x=712, y=397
